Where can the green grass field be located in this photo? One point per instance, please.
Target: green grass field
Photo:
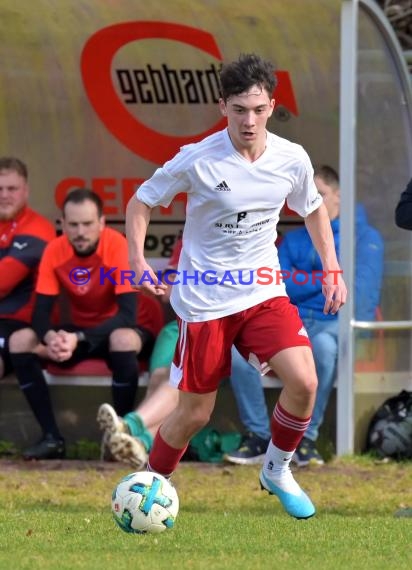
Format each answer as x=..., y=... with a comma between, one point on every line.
x=56, y=515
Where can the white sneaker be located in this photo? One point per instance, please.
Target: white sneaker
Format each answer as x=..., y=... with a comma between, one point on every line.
x=127, y=449
x=108, y=420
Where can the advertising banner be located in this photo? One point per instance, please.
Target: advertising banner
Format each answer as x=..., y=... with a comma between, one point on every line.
x=99, y=94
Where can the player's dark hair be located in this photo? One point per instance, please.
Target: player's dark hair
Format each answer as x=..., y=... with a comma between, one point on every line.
x=327, y=174
x=250, y=69
x=15, y=164
x=80, y=195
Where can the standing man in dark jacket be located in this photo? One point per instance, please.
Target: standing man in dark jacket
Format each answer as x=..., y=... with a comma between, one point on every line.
x=403, y=212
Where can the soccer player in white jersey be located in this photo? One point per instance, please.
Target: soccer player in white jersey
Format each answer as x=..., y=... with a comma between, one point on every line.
x=228, y=290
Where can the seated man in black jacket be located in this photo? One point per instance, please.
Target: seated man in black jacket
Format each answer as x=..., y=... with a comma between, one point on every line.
x=87, y=263
x=403, y=212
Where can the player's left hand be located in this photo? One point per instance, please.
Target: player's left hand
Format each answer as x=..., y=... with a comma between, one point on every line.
x=147, y=281
x=335, y=292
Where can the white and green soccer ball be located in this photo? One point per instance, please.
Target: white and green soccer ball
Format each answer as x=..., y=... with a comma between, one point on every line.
x=145, y=502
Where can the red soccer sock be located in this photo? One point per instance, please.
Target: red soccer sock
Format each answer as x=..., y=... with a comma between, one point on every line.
x=287, y=430
x=163, y=458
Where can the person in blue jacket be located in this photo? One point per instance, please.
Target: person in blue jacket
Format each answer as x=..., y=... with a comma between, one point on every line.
x=297, y=253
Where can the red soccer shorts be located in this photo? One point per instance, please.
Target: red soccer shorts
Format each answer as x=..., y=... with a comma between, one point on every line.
x=203, y=353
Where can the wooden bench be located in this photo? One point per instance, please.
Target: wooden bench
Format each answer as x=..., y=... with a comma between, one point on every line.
x=96, y=373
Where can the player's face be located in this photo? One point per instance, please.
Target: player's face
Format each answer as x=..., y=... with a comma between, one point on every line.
x=82, y=226
x=330, y=195
x=14, y=194
x=247, y=115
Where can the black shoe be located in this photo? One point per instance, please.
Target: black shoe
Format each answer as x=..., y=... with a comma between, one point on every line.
x=47, y=448
x=251, y=451
x=307, y=454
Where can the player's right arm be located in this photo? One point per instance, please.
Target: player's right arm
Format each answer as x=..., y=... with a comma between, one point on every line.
x=137, y=222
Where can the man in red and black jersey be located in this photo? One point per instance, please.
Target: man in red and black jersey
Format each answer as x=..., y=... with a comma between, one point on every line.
x=23, y=236
x=87, y=264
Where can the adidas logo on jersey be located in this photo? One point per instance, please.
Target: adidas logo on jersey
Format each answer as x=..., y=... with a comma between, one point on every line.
x=303, y=332
x=222, y=187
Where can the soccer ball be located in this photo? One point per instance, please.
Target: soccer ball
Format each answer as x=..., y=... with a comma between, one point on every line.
x=145, y=502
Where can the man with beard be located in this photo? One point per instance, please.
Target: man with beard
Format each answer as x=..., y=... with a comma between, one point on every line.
x=86, y=263
x=23, y=236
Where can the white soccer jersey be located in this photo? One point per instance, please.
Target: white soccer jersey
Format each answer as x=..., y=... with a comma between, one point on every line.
x=229, y=262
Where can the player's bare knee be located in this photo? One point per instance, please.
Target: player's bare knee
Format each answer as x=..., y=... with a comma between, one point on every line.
x=307, y=385
x=200, y=418
x=122, y=340
x=196, y=416
x=24, y=340
x=302, y=389
x=196, y=422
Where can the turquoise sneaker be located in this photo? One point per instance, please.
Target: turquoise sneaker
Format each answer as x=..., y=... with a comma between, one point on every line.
x=297, y=504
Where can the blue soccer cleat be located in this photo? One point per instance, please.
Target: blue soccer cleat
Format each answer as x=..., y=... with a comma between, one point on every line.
x=296, y=503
